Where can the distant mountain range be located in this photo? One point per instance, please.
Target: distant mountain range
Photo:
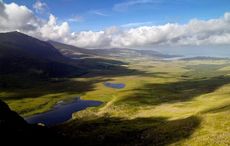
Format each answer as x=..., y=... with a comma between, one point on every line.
x=23, y=54
x=203, y=58
x=76, y=52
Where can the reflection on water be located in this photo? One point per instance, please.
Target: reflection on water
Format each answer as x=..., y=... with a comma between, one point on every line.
x=62, y=112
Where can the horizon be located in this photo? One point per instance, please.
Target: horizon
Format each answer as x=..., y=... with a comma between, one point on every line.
x=180, y=27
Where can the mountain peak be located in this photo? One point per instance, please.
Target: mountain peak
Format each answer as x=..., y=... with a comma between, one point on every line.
x=27, y=45
x=13, y=33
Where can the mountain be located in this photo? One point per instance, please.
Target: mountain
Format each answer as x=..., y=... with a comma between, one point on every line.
x=18, y=44
x=22, y=54
x=132, y=53
x=72, y=51
x=204, y=58
x=91, y=60
x=76, y=52
x=23, y=57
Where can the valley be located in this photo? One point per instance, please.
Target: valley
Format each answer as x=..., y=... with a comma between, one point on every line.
x=115, y=72
x=145, y=100
x=164, y=102
x=173, y=103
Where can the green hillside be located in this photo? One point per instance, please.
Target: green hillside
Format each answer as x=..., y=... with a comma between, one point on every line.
x=173, y=103
x=165, y=103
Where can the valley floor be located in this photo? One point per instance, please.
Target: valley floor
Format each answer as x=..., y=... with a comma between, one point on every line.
x=165, y=103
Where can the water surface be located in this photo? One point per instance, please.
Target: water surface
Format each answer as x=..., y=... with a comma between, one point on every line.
x=114, y=85
x=62, y=112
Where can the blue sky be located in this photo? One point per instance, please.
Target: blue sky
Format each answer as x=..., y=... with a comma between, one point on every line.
x=99, y=14
x=190, y=26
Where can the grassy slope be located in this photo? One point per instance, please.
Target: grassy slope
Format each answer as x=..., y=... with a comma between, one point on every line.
x=176, y=103
x=172, y=103
x=40, y=95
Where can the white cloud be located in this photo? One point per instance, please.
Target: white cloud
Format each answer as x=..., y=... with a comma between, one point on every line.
x=15, y=17
x=130, y=3
x=52, y=31
x=213, y=32
x=23, y=19
x=76, y=18
x=90, y=39
x=194, y=33
x=39, y=6
x=99, y=13
x=136, y=24
x=2, y=10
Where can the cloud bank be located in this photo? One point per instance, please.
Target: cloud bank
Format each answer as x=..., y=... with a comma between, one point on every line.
x=194, y=33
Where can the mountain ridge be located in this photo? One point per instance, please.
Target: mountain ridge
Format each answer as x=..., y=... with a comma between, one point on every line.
x=120, y=53
x=22, y=54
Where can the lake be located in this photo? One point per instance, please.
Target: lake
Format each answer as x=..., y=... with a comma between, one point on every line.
x=114, y=85
x=62, y=112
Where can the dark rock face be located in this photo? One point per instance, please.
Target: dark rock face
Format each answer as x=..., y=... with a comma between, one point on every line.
x=9, y=119
x=14, y=129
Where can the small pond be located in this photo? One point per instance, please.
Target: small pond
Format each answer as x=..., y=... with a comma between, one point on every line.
x=114, y=85
x=62, y=112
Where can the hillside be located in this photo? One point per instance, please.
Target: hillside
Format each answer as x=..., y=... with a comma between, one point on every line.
x=176, y=103
x=30, y=67
x=72, y=51
x=16, y=44
x=22, y=54
x=119, y=53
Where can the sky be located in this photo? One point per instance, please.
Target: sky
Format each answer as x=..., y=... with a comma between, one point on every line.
x=97, y=15
x=138, y=24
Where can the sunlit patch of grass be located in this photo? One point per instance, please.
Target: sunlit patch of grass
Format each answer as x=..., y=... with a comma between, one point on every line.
x=43, y=96
x=170, y=96
x=214, y=125
x=226, y=68
x=31, y=106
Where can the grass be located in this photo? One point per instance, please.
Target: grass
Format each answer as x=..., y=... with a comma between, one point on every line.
x=44, y=94
x=167, y=103
x=138, y=131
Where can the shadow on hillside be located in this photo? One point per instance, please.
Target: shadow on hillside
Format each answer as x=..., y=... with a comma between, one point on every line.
x=111, y=68
x=33, y=88
x=91, y=67
x=22, y=82
x=140, y=131
x=176, y=91
x=222, y=108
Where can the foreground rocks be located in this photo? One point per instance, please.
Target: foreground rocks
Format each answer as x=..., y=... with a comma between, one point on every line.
x=14, y=129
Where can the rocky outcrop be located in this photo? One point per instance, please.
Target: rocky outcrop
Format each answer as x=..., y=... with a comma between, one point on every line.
x=14, y=129
x=10, y=120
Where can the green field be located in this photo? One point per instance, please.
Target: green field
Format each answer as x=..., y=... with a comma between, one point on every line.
x=163, y=103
